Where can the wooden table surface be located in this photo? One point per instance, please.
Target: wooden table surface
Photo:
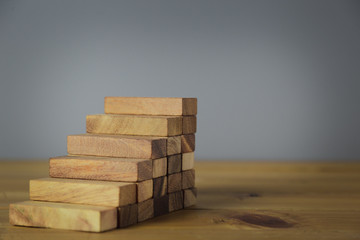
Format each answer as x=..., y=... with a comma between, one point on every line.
x=237, y=200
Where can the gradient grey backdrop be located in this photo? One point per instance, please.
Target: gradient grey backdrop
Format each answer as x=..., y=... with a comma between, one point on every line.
x=274, y=79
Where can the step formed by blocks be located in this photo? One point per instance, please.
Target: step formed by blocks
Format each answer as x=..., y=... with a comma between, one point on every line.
x=101, y=193
x=151, y=106
x=63, y=216
x=116, y=146
x=136, y=125
x=135, y=162
x=100, y=168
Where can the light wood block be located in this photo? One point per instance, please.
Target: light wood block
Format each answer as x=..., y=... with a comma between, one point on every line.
x=187, y=143
x=144, y=190
x=127, y=215
x=136, y=125
x=161, y=205
x=63, y=216
x=173, y=145
x=145, y=210
x=174, y=182
x=159, y=167
x=117, y=146
x=101, y=168
x=190, y=197
x=187, y=161
x=101, y=193
x=151, y=106
x=176, y=201
x=160, y=186
x=189, y=124
x=188, y=179
x=174, y=163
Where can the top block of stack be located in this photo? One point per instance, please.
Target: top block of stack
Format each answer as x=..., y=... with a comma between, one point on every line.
x=151, y=106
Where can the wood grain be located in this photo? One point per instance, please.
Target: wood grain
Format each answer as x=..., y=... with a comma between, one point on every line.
x=188, y=179
x=174, y=182
x=63, y=216
x=161, y=205
x=160, y=186
x=190, y=197
x=174, y=163
x=144, y=190
x=173, y=145
x=189, y=124
x=122, y=146
x=187, y=143
x=252, y=199
x=137, y=125
x=188, y=161
x=101, y=193
x=127, y=215
x=159, y=167
x=145, y=210
x=176, y=201
x=101, y=168
x=151, y=106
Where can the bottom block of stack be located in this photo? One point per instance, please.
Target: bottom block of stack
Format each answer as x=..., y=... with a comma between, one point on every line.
x=127, y=215
x=63, y=216
x=92, y=218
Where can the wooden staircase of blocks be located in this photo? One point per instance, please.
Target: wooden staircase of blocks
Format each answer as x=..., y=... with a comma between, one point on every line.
x=135, y=162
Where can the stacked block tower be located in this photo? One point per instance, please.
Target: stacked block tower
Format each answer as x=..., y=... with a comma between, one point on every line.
x=134, y=163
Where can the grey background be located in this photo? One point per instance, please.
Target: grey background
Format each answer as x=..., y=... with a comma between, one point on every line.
x=274, y=79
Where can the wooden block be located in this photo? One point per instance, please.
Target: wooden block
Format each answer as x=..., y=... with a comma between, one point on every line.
x=176, y=201
x=161, y=205
x=127, y=215
x=136, y=125
x=144, y=190
x=187, y=143
x=145, y=210
x=174, y=163
x=160, y=186
x=117, y=146
x=101, y=168
x=174, y=182
x=151, y=106
x=173, y=145
x=188, y=179
x=189, y=124
x=63, y=216
x=159, y=167
x=101, y=193
x=190, y=197
x=187, y=161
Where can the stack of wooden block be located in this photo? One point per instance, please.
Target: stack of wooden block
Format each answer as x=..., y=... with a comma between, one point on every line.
x=134, y=163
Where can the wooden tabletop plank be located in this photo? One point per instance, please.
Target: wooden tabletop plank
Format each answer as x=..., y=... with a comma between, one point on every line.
x=249, y=200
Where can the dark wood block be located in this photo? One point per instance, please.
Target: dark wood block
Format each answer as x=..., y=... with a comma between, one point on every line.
x=160, y=186
x=161, y=205
x=176, y=201
x=174, y=163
